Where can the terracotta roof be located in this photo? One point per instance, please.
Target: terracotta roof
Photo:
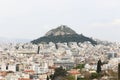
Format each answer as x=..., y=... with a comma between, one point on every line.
x=73, y=71
x=24, y=79
x=29, y=71
x=3, y=73
x=52, y=67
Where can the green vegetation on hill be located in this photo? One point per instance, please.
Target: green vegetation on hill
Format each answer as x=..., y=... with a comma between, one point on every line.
x=64, y=38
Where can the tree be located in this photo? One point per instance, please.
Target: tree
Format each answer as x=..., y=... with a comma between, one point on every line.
x=60, y=72
x=80, y=66
x=59, y=78
x=38, y=50
x=118, y=71
x=99, y=66
x=47, y=78
x=51, y=76
x=70, y=77
x=94, y=75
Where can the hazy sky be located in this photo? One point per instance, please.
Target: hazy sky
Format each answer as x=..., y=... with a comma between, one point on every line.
x=31, y=19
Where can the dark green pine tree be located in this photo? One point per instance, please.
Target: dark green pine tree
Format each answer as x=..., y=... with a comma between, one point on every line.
x=47, y=78
x=118, y=71
x=99, y=66
x=38, y=50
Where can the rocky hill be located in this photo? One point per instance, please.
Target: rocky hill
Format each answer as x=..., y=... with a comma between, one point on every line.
x=61, y=30
x=63, y=34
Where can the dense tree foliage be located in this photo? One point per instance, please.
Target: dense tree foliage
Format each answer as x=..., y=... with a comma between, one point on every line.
x=64, y=38
x=70, y=77
x=60, y=72
x=94, y=75
x=80, y=66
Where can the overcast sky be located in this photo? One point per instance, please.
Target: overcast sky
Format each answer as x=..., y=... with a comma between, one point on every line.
x=30, y=19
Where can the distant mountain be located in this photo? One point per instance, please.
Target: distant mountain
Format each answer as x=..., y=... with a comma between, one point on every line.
x=103, y=42
x=63, y=34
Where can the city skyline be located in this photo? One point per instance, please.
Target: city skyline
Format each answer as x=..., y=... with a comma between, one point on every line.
x=30, y=19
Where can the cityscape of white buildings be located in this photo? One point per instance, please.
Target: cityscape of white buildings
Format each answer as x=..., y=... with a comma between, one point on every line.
x=27, y=61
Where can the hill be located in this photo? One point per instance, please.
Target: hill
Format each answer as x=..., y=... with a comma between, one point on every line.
x=63, y=34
